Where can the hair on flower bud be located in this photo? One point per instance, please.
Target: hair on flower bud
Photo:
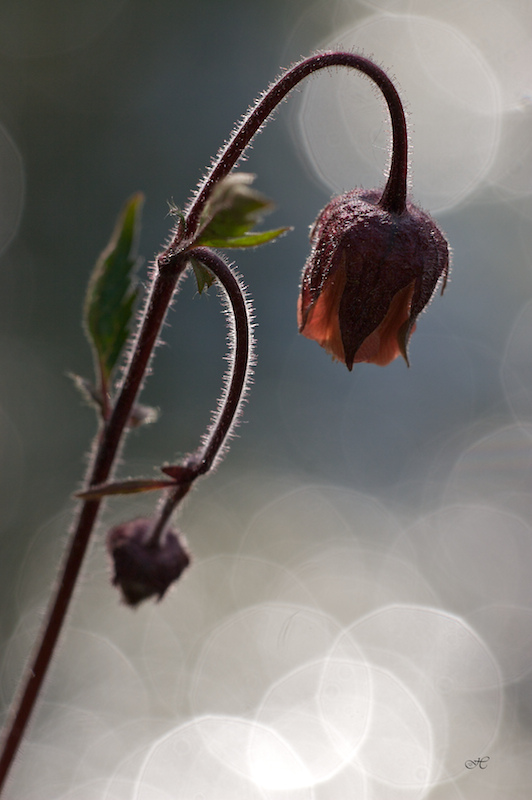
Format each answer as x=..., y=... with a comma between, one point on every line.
x=144, y=568
x=369, y=275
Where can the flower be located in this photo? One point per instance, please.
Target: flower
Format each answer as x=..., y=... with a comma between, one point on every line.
x=143, y=568
x=369, y=275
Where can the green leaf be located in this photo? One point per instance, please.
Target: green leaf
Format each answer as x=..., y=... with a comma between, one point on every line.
x=204, y=278
x=111, y=293
x=252, y=239
x=231, y=212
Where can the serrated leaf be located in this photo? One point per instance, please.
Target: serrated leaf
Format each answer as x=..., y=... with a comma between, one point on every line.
x=251, y=239
x=204, y=278
x=111, y=293
x=232, y=211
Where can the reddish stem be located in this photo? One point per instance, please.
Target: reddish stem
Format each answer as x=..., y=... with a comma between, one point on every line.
x=109, y=441
x=394, y=196
x=171, y=264
x=201, y=462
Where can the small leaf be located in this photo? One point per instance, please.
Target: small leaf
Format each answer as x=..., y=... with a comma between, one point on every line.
x=180, y=474
x=111, y=293
x=88, y=390
x=204, y=278
x=140, y=414
x=232, y=211
x=252, y=239
x=124, y=487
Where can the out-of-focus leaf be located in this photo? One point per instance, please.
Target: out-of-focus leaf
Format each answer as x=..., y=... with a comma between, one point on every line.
x=124, y=487
x=140, y=414
x=88, y=390
x=231, y=212
x=111, y=292
x=204, y=278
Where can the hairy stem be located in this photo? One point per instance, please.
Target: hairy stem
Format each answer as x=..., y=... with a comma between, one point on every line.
x=241, y=352
x=171, y=264
x=394, y=196
x=108, y=443
x=215, y=437
x=170, y=504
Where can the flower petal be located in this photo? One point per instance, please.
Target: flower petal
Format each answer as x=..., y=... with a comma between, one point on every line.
x=322, y=320
x=385, y=344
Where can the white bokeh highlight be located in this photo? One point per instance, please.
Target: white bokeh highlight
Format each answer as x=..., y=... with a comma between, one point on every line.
x=451, y=95
x=332, y=654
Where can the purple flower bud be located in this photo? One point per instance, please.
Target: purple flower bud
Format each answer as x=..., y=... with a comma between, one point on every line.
x=369, y=275
x=143, y=568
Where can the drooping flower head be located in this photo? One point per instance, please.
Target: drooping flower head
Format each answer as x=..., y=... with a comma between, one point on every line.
x=369, y=275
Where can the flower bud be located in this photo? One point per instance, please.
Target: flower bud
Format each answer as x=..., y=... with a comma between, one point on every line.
x=369, y=275
x=143, y=568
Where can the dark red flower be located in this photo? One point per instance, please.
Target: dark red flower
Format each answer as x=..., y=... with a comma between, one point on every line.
x=369, y=275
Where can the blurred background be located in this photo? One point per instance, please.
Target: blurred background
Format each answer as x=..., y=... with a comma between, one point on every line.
x=357, y=621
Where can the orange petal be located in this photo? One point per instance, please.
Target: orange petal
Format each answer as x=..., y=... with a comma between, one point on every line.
x=382, y=346
x=322, y=324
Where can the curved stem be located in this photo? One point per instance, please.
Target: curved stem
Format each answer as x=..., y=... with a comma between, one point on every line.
x=169, y=505
x=232, y=399
x=201, y=462
x=394, y=195
x=171, y=264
